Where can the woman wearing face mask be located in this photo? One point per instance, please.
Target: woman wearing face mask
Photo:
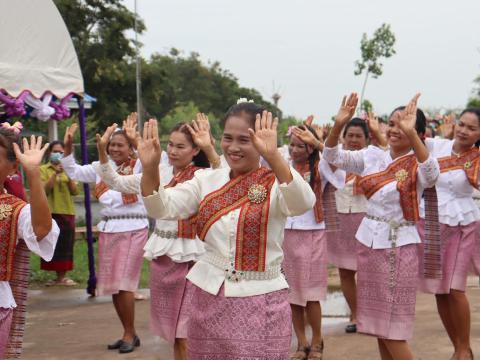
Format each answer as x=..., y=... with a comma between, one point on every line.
x=387, y=258
x=173, y=248
x=123, y=232
x=60, y=190
x=240, y=303
x=449, y=248
x=305, y=244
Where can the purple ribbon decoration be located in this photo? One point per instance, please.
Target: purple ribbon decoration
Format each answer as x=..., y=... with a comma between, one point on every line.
x=14, y=106
x=61, y=110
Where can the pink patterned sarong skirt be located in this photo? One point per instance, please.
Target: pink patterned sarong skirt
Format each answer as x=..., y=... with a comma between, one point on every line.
x=458, y=246
x=170, y=297
x=385, y=299
x=305, y=265
x=342, y=249
x=6, y=316
x=120, y=259
x=246, y=328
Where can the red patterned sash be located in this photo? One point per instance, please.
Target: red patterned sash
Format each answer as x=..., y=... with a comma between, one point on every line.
x=349, y=177
x=356, y=178
x=469, y=161
x=125, y=169
x=186, y=228
x=404, y=171
x=317, y=190
x=251, y=240
x=10, y=207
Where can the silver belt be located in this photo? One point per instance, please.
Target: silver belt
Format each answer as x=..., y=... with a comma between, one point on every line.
x=271, y=272
x=394, y=226
x=168, y=234
x=124, y=217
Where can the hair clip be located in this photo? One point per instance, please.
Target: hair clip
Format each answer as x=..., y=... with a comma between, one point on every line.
x=244, y=100
x=290, y=130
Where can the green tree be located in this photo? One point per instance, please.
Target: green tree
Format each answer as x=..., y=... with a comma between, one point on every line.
x=98, y=29
x=373, y=50
x=474, y=101
x=169, y=81
x=367, y=106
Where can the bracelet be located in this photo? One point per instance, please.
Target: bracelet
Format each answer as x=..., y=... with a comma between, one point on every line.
x=216, y=163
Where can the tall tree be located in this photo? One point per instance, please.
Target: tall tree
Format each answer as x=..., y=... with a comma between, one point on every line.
x=169, y=81
x=474, y=101
x=373, y=50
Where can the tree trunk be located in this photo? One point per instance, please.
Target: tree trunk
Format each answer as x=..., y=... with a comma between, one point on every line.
x=359, y=108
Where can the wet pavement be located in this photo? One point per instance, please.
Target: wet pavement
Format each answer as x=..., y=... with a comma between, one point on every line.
x=67, y=324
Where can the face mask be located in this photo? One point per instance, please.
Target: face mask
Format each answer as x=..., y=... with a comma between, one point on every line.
x=55, y=157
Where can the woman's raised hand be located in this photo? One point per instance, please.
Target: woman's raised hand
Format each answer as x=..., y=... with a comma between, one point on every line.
x=149, y=150
x=102, y=143
x=408, y=118
x=372, y=123
x=200, y=131
x=347, y=110
x=130, y=128
x=31, y=156
x=306, y=136
x=68, y=139
x=308, y=121
x=264, y=137
x=448, y=126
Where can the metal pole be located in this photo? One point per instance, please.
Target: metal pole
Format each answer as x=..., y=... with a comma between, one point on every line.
x=360, y=106
x=92, y=279
x=138, y=75
x=52, y=130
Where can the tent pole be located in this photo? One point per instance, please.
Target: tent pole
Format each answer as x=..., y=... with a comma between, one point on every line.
x=52, y=130
x=92, y=280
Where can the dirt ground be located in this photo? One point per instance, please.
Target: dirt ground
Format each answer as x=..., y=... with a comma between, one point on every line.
x=66, y=324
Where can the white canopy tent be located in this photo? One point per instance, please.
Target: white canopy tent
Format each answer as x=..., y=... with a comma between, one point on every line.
x=37, y=53
x=38, y=62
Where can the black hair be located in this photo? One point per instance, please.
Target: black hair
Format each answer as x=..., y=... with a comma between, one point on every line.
x=248, y=110
x=201, y=159
x=358, y=123
x=7, y=139
x=313, y=157
x=476, y=111
x=420, y=123
x=472, y=110
x=432, y=129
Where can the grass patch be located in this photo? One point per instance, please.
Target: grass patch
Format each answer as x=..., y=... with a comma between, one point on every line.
x=38, y=277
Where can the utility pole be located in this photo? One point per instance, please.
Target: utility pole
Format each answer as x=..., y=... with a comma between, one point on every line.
x=138, y=75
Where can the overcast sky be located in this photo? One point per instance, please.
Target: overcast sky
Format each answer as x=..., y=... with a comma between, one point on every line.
x=307, y=48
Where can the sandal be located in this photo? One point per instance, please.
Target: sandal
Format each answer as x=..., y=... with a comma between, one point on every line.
x=66, y=282
x=316, y=352
x=139, y=296
x=301, y=353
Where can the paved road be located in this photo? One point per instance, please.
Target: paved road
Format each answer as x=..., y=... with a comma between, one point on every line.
x=65, y=324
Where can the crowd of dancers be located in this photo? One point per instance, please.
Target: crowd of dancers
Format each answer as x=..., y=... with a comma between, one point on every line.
x=242, y=240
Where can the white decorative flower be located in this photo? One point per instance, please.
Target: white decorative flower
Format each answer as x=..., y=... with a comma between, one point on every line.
x=244, y=100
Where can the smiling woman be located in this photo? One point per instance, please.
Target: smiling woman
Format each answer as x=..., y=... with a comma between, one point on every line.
x=120, y=242
x=240, y=304
x=387, y=256
x=455, y=217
